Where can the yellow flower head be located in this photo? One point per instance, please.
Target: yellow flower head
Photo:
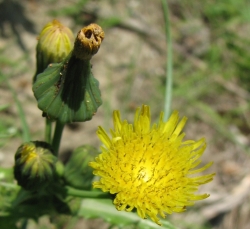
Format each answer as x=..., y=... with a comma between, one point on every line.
x=148, y=167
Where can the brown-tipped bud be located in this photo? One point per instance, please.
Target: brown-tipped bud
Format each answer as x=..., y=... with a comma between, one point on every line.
x=88, y=41
x=35, y=165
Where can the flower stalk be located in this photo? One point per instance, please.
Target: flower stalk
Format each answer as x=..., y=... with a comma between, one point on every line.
x=85, y=194
x=57, y=137
x=48, y=130
x=169, y=63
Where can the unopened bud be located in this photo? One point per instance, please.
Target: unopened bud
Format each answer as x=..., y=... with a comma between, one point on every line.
x=34, y=165
x=54, y=43
x=77, y=171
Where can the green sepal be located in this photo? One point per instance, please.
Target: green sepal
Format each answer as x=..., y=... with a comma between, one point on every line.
x=43, y=61
x=68, y=91
x=77, y=172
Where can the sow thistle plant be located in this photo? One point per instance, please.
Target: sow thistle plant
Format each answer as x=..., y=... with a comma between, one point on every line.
x=143, y=167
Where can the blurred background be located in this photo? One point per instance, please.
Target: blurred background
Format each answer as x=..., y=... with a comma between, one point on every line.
x=211, y=55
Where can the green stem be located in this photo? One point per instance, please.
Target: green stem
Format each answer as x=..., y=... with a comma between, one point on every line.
x=169, y=62
x=24, y=224
x=57, y=137
x=86, y=194
x=48, y=128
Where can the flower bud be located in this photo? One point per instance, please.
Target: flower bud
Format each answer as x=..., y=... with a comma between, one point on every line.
x=77, y=172
x=67, y=91
x=34, y=165
x=88, y=41
x=54, y=43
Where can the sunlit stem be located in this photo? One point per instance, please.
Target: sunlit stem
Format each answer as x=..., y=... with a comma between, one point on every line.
x=86, y=194
x=169, y=62
x=48, y=128
x=57, y=137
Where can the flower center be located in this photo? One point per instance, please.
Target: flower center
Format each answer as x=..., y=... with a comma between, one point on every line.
x=144, y=174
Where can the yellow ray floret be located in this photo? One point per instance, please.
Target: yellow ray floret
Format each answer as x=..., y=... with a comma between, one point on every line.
x=149, y=167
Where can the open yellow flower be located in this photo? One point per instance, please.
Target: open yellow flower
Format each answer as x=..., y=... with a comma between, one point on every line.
x=150, y=168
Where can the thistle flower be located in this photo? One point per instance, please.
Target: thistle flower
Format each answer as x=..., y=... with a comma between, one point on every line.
x=35, y=165
x=54, y=43
x=150, y=168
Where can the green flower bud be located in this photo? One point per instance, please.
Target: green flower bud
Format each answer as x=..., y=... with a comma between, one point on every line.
x=59, y=169
x=54, y=43
x=68, y=92
x=34, y=165
x=77, y=171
